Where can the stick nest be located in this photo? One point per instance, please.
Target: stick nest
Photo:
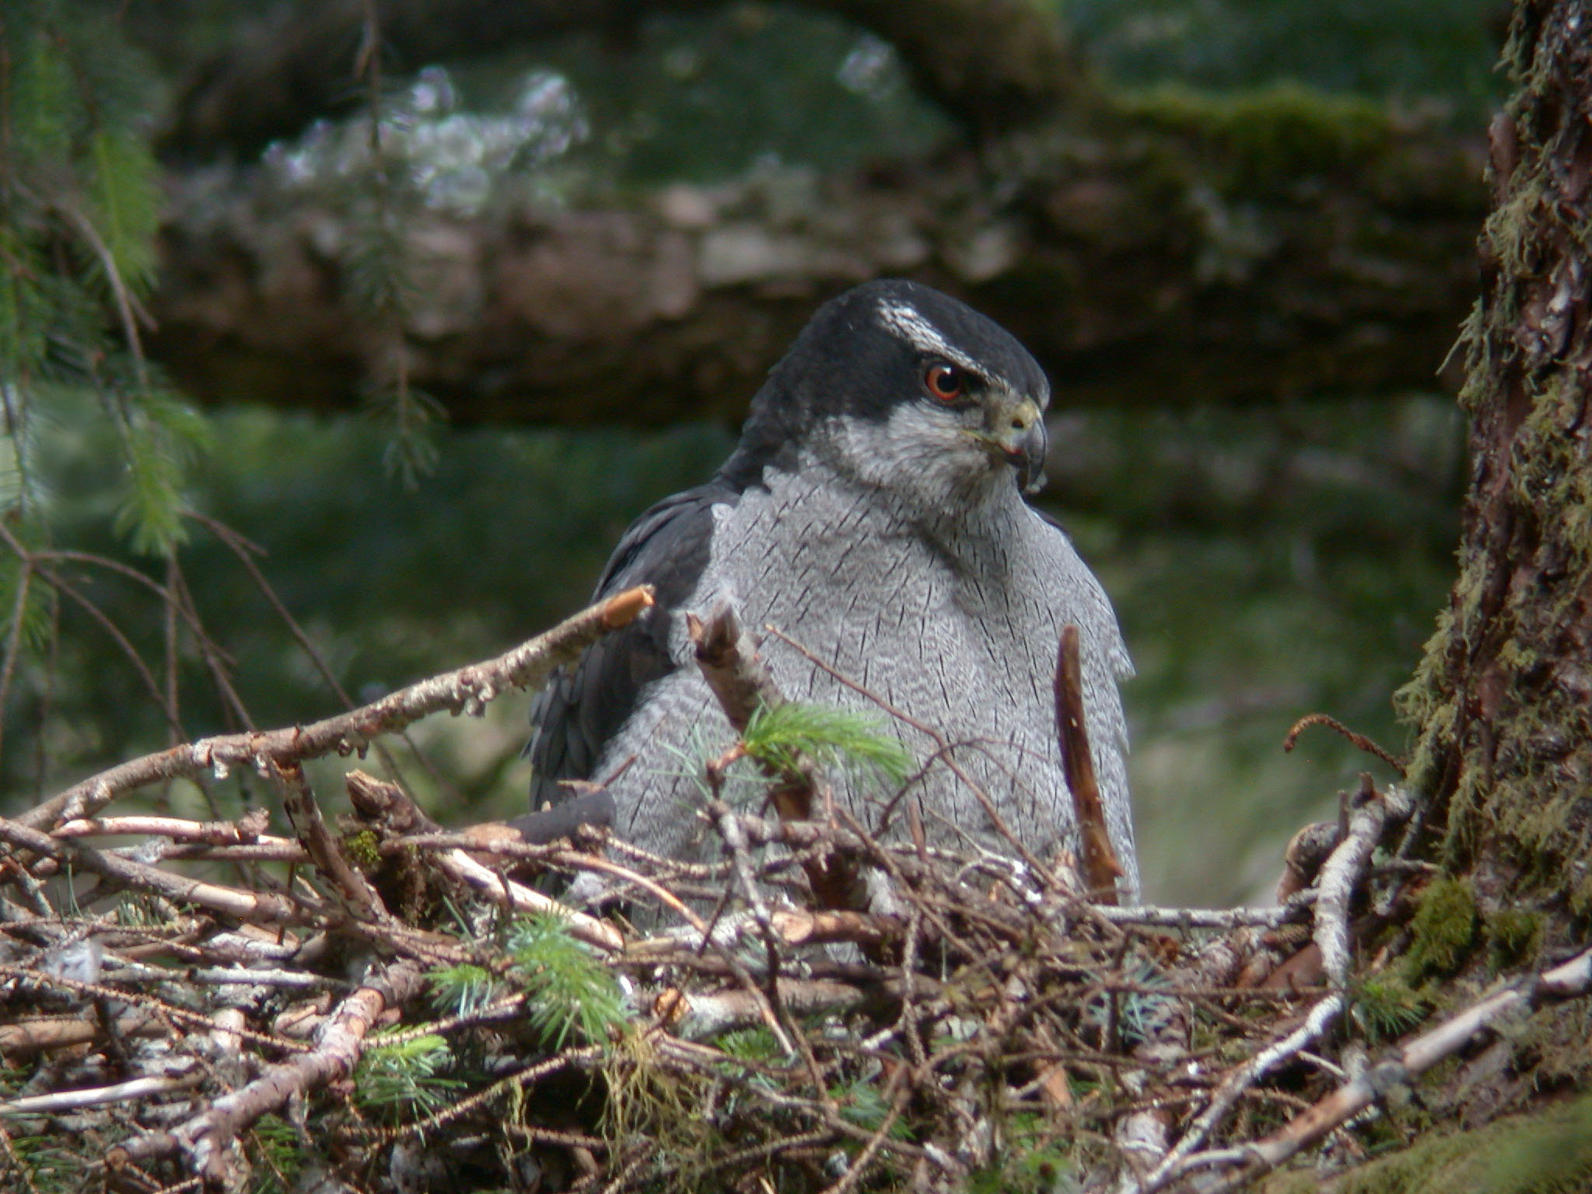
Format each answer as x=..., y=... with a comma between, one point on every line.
x=378, y=1005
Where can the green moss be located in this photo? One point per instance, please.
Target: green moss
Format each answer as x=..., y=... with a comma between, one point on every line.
x=1546, y=1154
x=1444, y=929
x=1422, y=704
x=1510, y=229
x=1549, y=1152
x=363, y=849
x=1513, y=937
x=1275, y=133
x=1581, y=900
x=1294, y=1183
x=1555, y=1038
x=1419, y=700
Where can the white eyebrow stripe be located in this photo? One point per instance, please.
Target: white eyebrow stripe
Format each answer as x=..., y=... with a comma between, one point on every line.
x=906, y=321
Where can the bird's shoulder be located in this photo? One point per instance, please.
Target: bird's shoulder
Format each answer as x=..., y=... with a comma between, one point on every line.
x=668, y=546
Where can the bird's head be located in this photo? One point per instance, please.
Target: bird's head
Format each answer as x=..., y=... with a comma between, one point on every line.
x=906, y=390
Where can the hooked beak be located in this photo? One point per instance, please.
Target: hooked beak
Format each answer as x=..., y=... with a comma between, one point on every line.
x=1017, y=436
x=1027, y=454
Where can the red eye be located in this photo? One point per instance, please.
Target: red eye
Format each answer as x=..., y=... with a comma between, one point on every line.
x=944, y=381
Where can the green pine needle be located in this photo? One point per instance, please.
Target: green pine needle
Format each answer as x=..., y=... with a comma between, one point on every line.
x=411, y=416
x=163, y=436
x=43, y=98
x=25, y=308
x=406, y=1074
x=568, y=989
x=462, y=990
x=827, y=735
x=1386, y=1008
x=124, y=188
x=36, y=608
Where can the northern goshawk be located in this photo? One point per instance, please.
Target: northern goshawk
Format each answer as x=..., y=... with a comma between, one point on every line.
x=873, y=511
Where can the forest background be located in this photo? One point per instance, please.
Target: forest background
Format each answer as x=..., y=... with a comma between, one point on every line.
x=1276, y=527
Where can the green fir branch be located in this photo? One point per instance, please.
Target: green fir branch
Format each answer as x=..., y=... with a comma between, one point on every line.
x=827, y=735
x=410, y=416
x=407, y=1074
x=162, y=435
x=124, y=194
x=462, y=990
x=569, y=989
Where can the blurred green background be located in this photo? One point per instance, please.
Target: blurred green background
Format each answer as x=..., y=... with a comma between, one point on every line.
x=1266, y=562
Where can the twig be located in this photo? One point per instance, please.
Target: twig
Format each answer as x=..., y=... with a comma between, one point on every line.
x=37, y=1035
x=389, y=807
x=503, y=890
x=182, y=1077
x=740, y=861
x=1184, y=1155
x=247, y=829
x=464, y=690
x=1208, y=918
x=698, y=1015
x=738, y=678
x=207, y=1137
x=299, y=804
x=898, y=1093
x=155, y=1007
x=1567, y=981
x=1339, y=876
x=244, y=551
x=1371, y=812
x=245, y=905
x=1359, y=741
x=663, y=895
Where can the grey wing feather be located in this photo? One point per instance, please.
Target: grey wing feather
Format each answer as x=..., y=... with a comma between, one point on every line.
x=583, y=706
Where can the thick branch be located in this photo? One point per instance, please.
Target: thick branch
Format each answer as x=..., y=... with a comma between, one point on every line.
x=1351, y=277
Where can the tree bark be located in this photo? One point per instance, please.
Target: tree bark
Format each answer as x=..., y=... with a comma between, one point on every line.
x=1140, y=265
x=1164, y=251
x=1504, y=696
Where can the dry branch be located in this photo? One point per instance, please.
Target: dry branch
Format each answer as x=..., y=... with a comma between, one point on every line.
x=1101, y=870
x=230, y=901
x=208, y=1138
x=741, y=682
x=1572, y=979
x=462, y=691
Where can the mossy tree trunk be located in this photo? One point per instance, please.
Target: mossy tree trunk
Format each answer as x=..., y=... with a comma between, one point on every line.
x=1503, y=699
